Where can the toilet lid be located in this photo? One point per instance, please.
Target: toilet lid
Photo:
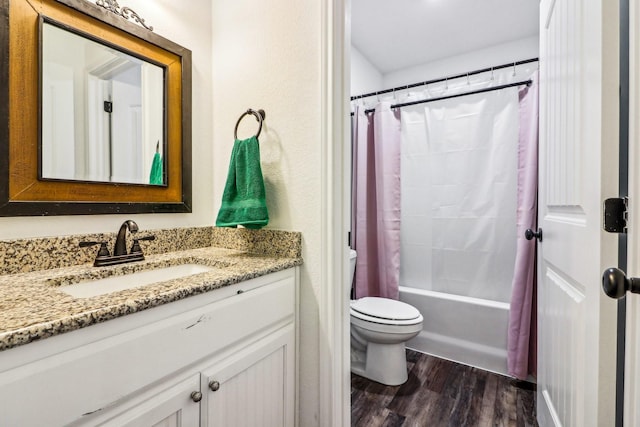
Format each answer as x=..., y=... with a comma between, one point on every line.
x=384, y=308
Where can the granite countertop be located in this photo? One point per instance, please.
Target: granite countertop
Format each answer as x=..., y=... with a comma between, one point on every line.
x=33, y=307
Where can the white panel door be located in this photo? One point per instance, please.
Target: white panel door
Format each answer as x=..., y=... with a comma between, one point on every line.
x=58, y=123
x=578, y=169
x=126, y=131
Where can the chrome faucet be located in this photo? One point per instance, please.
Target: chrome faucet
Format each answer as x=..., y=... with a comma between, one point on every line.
x=120, y=247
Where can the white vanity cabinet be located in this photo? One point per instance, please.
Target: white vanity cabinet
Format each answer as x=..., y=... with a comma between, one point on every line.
x=223, y=358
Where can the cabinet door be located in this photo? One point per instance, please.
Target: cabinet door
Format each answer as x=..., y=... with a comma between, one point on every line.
x=254, y=387
x=172, y=407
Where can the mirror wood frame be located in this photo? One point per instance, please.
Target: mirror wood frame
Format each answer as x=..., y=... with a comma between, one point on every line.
x=21, y=193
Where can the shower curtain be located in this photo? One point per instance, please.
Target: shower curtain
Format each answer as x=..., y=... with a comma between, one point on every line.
x=521, y=348
x=459, y=195
x=375, y=230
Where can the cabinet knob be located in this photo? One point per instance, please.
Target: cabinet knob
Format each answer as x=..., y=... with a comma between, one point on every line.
x=196, y=396
x=214, y=385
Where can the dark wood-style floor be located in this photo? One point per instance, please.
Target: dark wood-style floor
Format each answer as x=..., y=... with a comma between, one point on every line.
x=443, y=393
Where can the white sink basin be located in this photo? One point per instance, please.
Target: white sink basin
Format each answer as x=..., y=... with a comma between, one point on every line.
x=92, y=288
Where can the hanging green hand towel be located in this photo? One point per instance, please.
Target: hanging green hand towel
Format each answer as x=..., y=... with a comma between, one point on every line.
x=155, y=177
x=243, y=201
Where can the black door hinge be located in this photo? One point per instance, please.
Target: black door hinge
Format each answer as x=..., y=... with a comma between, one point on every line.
x=108, y=106
x=615, y=215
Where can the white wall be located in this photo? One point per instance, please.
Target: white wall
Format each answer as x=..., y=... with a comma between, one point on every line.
x=365, y=77
x=268, y=55
x=191, y=27
x=496, y=55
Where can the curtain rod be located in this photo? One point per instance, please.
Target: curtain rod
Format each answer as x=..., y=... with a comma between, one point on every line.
x=457, y=76
x=457, y=95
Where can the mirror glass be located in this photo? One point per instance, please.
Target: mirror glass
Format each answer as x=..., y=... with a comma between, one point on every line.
x=102, y=112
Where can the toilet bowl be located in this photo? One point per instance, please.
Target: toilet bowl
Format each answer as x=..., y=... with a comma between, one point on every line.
x=379, y=329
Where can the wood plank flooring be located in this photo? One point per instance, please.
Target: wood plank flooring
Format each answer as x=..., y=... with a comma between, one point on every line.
x=443, y=393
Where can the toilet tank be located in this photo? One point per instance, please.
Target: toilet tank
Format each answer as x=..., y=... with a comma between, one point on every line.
x=352, y=263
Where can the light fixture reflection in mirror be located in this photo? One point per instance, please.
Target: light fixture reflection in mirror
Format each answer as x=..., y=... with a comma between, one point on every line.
x=102, y=112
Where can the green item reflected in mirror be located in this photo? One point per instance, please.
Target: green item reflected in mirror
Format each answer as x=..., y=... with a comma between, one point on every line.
x=155, y=177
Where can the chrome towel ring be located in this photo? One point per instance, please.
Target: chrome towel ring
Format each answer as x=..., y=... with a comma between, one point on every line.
x=259, y=114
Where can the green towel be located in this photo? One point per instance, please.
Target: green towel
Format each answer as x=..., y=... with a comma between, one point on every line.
x=155, y=177
x=243, y=201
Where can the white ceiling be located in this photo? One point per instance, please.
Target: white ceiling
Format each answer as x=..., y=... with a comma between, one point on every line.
x=396, y=34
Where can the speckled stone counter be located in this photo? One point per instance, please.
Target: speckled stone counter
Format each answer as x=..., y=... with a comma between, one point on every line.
x=33, y=307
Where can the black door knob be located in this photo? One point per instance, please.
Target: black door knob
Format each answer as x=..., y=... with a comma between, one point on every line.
x=530, y=234
x=615, y=283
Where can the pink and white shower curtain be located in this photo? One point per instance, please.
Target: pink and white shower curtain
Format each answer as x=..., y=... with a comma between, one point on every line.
x=375, y=231
x=522, y=344
x=469, y=183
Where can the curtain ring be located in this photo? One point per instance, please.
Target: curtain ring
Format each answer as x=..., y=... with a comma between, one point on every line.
x=260, y=116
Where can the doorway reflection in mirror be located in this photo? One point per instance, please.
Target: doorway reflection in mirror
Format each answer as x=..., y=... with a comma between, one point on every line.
x=102, y=112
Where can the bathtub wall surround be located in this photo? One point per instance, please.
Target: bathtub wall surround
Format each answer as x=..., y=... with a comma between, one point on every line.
x=27, y=255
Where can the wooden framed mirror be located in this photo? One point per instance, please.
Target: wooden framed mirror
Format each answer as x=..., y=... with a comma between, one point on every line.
x=47, y=118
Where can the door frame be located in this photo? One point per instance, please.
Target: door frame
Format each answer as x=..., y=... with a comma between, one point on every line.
x=623, y=191
x=334, y=320
x=632, y=333
x=333, y=308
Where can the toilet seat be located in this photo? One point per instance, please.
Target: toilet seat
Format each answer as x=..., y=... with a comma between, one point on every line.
x=385, y=311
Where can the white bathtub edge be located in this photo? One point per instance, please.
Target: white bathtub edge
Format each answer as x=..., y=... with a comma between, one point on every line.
x=451, y=330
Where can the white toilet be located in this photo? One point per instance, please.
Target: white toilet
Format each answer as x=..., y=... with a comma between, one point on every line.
x=379, y=329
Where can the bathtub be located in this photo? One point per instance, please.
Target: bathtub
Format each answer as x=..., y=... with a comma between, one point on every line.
x=467, y=330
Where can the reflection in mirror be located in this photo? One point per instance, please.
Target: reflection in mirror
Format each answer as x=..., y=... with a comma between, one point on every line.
x=102, y=112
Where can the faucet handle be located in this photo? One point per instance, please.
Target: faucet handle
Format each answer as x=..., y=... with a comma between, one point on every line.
x=103, y=251
x=135, y=248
